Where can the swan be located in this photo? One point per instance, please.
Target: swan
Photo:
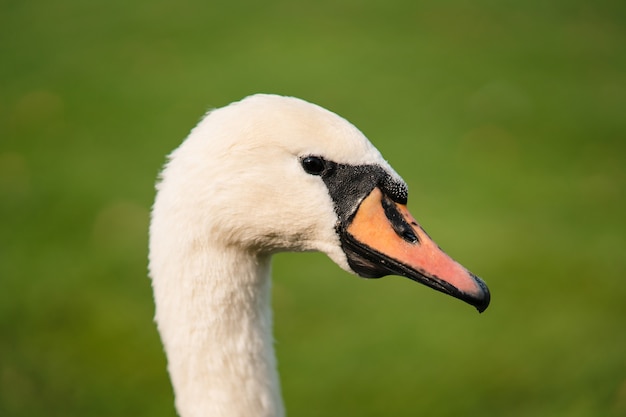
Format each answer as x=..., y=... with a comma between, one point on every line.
x=264, y=175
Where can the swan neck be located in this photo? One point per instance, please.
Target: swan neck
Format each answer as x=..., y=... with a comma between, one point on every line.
x=215, y=320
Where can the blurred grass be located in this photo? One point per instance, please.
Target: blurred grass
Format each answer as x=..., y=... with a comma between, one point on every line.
x=507, y=120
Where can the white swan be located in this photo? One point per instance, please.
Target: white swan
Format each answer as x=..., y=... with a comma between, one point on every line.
x=260, y=176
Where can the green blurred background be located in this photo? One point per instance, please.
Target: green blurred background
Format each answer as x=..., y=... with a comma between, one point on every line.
x=507, y=119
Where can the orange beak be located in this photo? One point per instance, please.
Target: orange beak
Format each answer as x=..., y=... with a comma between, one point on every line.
x=383, y=238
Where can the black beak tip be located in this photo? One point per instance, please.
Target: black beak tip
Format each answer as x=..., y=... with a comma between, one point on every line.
x=482, y=300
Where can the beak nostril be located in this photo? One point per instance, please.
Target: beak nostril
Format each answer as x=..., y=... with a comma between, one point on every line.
x=410, y=236
x=398, y=222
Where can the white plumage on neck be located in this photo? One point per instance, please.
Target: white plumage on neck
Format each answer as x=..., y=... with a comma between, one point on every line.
x=216, y=324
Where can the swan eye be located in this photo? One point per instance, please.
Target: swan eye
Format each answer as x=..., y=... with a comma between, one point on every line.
x=313, y=165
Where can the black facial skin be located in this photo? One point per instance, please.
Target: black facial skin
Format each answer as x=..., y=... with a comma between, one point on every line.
x=348, y=185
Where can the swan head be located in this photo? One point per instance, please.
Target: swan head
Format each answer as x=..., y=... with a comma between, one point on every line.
x=272, y=173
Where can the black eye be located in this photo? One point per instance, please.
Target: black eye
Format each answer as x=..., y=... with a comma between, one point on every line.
x=313, y=165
